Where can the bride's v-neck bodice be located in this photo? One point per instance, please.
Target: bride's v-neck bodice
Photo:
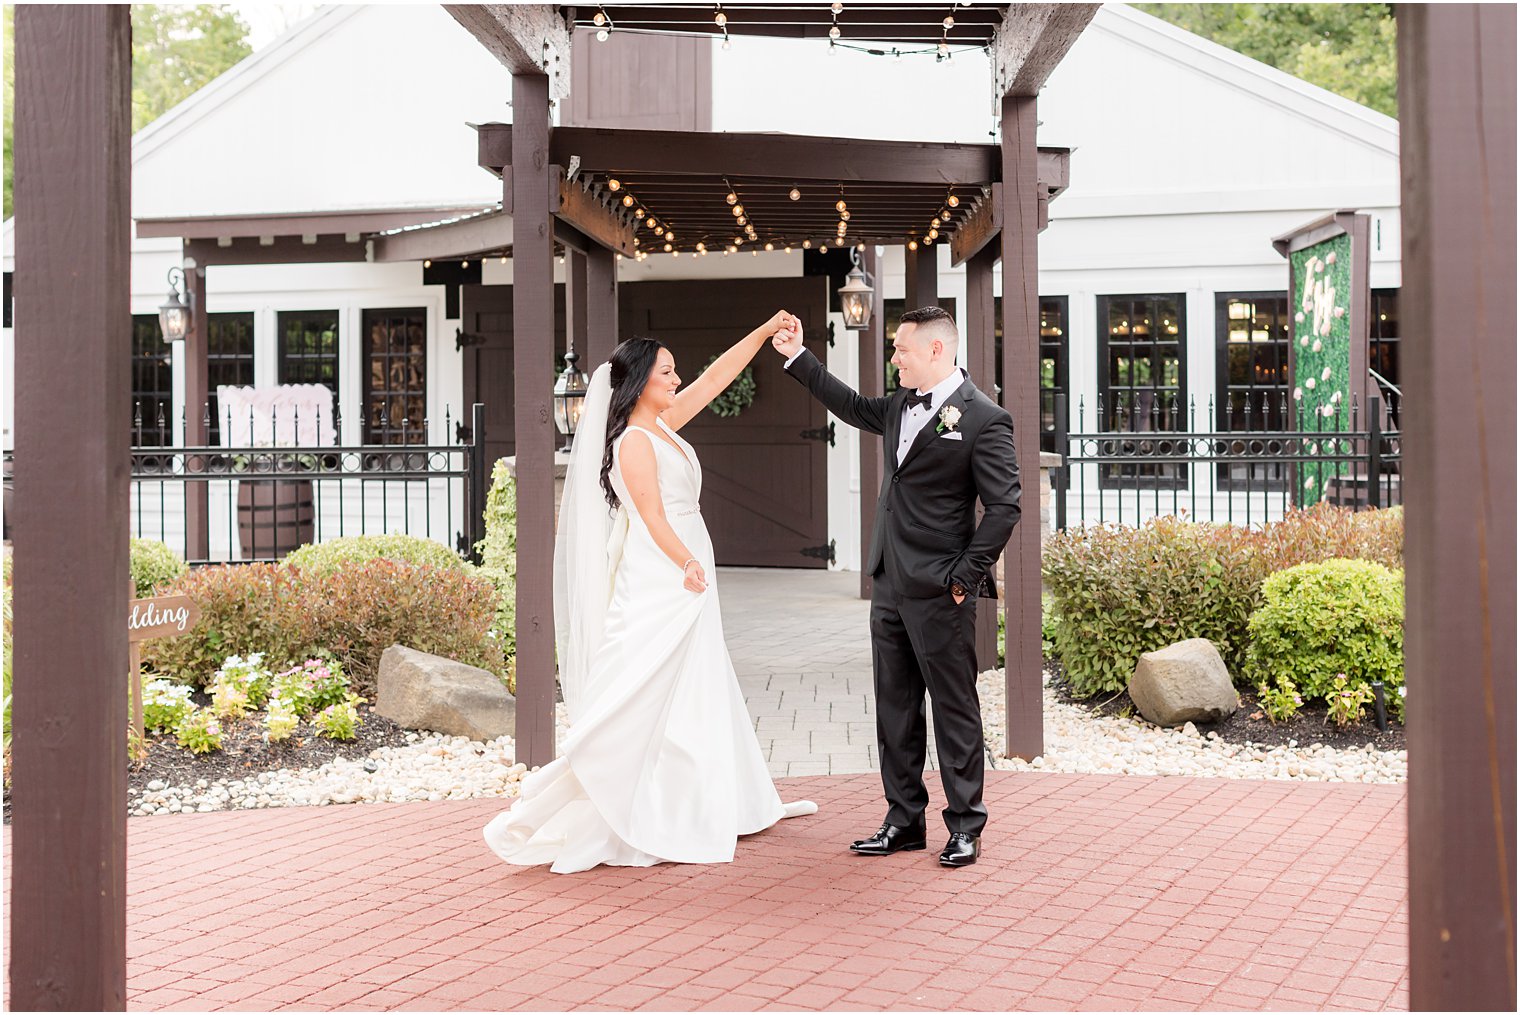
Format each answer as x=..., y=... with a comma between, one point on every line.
x=680, y=474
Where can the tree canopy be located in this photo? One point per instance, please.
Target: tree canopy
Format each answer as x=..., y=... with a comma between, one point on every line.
x=1348, y=49
x=176, y=49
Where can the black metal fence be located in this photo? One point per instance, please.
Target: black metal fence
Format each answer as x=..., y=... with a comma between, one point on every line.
x=1135, y=465
x=257, y=503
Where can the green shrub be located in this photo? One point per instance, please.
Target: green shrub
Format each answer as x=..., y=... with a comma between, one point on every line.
x=498, y=555
x=1120, y=592
x=165, y=705
x=154, y=565
x=359, y=611
x=314, y=684
x=1334, y=617
x=199, y=732
x=325, y=558
x=245, y=608
x=339, y=721
x=1327, y=532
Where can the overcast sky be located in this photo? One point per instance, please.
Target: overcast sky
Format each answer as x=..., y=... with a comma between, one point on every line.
x=266, y=21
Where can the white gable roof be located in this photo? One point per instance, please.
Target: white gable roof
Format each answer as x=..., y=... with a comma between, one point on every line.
x=358, y=107
x=1157, y=112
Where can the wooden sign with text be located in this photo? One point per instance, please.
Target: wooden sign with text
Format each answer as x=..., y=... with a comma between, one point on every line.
x=163, y=617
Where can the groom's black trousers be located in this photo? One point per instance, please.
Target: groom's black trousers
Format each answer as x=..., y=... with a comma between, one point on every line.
x=919, y=644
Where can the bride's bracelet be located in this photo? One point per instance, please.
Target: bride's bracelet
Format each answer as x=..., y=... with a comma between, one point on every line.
x=689, y=562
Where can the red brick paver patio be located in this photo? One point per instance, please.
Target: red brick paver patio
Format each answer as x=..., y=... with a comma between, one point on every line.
x=1093, y=892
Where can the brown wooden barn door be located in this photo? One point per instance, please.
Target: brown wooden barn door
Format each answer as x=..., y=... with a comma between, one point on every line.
x=765, y=471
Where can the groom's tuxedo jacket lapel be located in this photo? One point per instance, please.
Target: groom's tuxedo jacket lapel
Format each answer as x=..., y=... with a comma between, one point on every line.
x=929, y=431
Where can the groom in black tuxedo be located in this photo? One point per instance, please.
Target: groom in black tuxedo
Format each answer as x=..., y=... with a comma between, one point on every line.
x=946, y=446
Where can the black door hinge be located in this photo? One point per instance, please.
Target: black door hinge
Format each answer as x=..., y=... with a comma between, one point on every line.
x=464, y=338
x=822, y=433
x=461, y=433
x=821, y=552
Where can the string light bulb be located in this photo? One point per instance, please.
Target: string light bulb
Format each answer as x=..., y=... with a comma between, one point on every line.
x=833, y=31
x=602, y=35
x=953, y=201
x=504, y=258
x=720, y=19
x=427, y=264
x=770, y=246
x=627, y=200
x=912, y=244
x=787, y=249
x=949, y=22
x=944, y=48
x=466, y=264
x=823, y=248
x=840, y=205
x=732, y=198
x=807, y=244
x=794, y=194
x=934, y=222
x=701, y=247
x=726, y=47
x=614, y=184
x=667, y=248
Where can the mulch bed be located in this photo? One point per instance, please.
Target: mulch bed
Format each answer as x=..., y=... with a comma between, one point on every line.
x=1249, y=723
x=244, y=752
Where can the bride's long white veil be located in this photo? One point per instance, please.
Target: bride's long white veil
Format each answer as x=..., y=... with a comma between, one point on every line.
x=587, y=544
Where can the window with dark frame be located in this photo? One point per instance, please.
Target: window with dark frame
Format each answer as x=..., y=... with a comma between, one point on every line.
x=1142, y=343
x=1383, y=356
x=308, y=348
x=395, y=376
x=1054, y=378
x=1252, y=331
x=229, y=360
x=152, y=384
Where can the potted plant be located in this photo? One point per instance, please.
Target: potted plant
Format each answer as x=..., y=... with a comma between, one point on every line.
x=277, y=514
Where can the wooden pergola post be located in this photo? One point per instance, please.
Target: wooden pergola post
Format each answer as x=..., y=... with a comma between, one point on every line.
x=980, y=335
x=921, y=282
x=533, y=329
x=1021, y=397
x=575, y=306
x=196, y=351
x=1457, y=161
x=601, y=307
x=872, y=345
x=73, y=348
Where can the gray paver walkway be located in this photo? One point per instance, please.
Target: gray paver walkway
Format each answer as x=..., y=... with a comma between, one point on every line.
x=801, y=644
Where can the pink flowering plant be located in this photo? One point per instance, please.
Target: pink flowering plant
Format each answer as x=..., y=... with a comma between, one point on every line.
x=311, y=686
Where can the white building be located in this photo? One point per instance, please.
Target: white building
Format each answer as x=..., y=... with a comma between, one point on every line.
x=1187, y=158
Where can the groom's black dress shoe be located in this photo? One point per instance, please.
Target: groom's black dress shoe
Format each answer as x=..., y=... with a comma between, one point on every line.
x=890, y=839
x=961, y=851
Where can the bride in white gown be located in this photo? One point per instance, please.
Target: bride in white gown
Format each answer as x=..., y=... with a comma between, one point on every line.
x=661, y=763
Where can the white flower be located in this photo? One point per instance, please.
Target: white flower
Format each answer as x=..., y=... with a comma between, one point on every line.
x=1309, y=483
x=1299, y=317
x=1304, y=342
x=1336, y=398
x=1327, y=410
x=1340, y=311
x=1330, y=257
x=1318, y=345
x=1324, y=374
x=1298, y=394
x=949, y=418
x=1309, y=384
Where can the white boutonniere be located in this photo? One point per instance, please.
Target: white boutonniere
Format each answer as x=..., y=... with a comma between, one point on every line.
x=949, y=419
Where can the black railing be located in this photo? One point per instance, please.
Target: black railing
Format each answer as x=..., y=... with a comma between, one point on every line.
x=244, y=504
x=1242, y=476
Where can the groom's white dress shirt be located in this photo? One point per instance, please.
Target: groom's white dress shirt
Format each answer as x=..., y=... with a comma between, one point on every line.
x=915, y=416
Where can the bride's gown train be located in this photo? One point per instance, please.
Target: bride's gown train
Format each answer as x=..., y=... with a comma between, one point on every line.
x=661, y=762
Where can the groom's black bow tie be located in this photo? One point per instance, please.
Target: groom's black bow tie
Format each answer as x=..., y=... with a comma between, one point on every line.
x=924, y=400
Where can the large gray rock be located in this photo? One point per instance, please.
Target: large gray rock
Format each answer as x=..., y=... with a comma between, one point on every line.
x=427, y=692
x=1185, y=682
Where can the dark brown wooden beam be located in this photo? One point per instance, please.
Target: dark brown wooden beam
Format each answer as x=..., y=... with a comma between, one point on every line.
x=68, y=928
x=1457, y=310
x=921, y=282
x=1021, y=397
x=979, y=229
x=525, y=38
x=601, y=307
x=533, y=326
x=1032, y=41
x=211, y=227
x=197, y=388
x=873, y=381
x=792, y=156
x=480, y=234
x=282, y=250
x=598, y=218
x=979, y=333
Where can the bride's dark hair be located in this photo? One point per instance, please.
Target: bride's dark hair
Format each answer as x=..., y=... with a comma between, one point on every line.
x=631, y=364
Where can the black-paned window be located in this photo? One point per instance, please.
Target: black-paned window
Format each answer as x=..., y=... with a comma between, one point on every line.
x=1142, y=344
x=1252, y=332
x=152, y=384
x=1383, y=355
x=395, y=376
x=308, y=348
x=1054, y=378
x=229, y=360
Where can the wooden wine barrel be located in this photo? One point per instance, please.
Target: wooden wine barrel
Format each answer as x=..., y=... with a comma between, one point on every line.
x=274, y=516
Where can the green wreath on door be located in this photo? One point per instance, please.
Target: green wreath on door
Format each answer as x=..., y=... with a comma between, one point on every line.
x=737, y=396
